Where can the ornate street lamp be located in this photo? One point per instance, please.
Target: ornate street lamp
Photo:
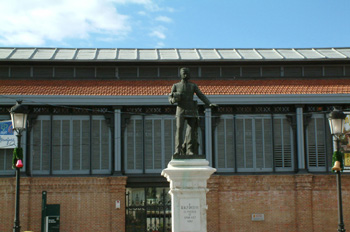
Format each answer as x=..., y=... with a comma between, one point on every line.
x=336, y=123
x=19, y=114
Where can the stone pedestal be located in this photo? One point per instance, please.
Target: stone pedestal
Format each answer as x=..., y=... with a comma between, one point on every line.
x=188, y=188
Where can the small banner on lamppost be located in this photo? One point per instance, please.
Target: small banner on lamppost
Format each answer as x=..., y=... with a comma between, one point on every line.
x=8, y=138
x=346, y=143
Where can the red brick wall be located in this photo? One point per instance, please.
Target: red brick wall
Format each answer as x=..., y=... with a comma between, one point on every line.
x=87, y=203
x=295, y=203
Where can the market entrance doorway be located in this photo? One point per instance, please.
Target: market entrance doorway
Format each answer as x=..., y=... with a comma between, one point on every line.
x=148, y=209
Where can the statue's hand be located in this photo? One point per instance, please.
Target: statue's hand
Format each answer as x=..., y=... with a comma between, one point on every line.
x=213, y=105
x=171, y=98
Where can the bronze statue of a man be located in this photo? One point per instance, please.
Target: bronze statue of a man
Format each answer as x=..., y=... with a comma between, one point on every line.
x=186, y=110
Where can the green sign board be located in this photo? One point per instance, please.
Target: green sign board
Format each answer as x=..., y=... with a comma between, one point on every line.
x=53, y=223
x=50, y=217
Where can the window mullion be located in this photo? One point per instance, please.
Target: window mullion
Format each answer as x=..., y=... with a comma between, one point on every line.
x=244, y=149
x=51, y=145
x=263, y=141
x=153, y=145
x=325, y=140
x=234, y=143
x=273, y=143
x=162, y=132
x=71, y=144
x=41, y=147
x=254, y=143
x=282, y=141
x=225, y=145
x=90, y=144
x=81, y=145
x=61, y=145
x=100, y=155
x=134, y=137
x=316, y=144
x=143, y=144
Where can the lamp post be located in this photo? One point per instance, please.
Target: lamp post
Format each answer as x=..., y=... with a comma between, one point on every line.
x=336, y=123
x=19, y=120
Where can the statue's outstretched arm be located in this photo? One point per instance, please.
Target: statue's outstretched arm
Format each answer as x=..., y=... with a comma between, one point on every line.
x=203, y=97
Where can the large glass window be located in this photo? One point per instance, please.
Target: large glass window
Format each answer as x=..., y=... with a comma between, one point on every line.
x=247, y=142
x=40, y=145
x=283, y=144
x=149, y=143
x=318, y=143
x=225, y=144
x=78, y=144
x=254, y=147
x=133, y=145
x=6, y=161
x=5, y=153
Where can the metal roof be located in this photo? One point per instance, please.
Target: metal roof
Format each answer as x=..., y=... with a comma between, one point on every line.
x=166, y=54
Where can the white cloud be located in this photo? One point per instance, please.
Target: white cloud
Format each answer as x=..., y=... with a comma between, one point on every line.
x=158, y=34
x=164, y=19
x=160, y=45
x=148, y=4
x=59, y=22
x=36, y=21
x=143, y=13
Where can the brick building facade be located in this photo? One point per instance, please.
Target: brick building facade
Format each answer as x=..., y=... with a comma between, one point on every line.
x=101, y=130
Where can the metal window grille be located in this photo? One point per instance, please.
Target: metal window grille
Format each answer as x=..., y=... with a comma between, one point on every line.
x=148, y=209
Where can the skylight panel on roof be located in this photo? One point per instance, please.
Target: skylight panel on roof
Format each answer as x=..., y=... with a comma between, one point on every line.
x=44, y=53
x=86, y=54
x=65, y=54
x=188, y=54
x=168, y=54
x=290, y=54
x=23, y=53
x=330, y=53
x=106, y=54
x=208, y=54
x=5, y=52
x=127, y=54
x=249, y=54
x=310, y=54
x=148, y=54
x=229, y=54
x=269, y=54
x=345, y=51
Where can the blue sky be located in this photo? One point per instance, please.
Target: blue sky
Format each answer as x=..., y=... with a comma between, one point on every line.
x=175, y=23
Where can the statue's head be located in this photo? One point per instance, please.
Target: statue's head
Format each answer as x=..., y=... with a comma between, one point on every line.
x=185, y=73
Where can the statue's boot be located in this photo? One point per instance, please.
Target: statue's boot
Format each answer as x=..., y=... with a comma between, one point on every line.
x=178, y=152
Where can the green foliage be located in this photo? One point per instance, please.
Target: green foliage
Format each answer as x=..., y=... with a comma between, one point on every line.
x=338, y=156
x=17, y=155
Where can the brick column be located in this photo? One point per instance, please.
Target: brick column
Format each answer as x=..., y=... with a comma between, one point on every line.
x=213, y=203
x=304, y=206
x=117, y=192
